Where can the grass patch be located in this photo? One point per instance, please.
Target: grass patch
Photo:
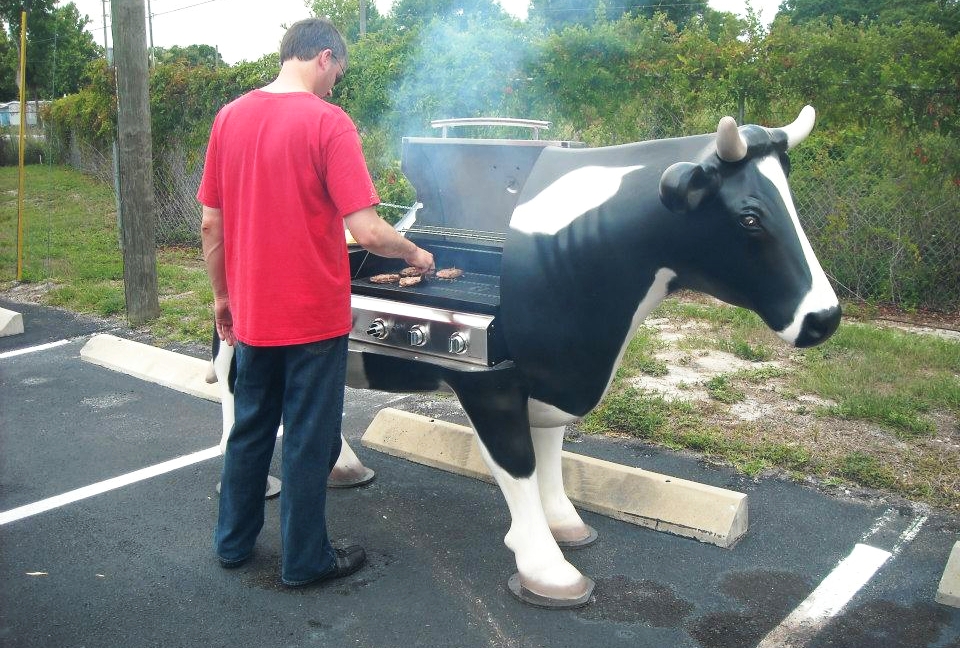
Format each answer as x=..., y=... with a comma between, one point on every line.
x=645, y=416
x=721, y=389
x=761, y=374
x=742, y=332
x=640, y=355
x=866, y=470
x=70, y=240
x=904, y=387
x=743, y=349
x=69, y=228
x=884, y=376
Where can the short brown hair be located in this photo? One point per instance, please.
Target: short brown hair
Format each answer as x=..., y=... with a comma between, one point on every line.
x=307, y=38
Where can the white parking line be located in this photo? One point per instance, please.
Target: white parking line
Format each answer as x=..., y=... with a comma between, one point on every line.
x=107, y=485
x=39, y=347
x=840, y=585
x=909, y=534
x=828, y=599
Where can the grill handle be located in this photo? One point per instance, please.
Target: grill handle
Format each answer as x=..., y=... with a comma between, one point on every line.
x=535, y=124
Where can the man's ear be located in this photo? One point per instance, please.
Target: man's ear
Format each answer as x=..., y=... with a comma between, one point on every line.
x=684, y=186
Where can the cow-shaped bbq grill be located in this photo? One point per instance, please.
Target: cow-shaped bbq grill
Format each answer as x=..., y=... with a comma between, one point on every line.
x=598, y=239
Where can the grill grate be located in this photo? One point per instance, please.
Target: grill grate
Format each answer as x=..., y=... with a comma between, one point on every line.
x=471, y=289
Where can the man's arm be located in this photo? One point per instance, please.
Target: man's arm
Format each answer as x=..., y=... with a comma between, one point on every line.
x=376, y=235
x=211, y=237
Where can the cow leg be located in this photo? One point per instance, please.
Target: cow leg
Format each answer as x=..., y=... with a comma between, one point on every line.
x=497, y=407
x=223, y=367
x=565, y=523
x=544, y=577
x=348, y=471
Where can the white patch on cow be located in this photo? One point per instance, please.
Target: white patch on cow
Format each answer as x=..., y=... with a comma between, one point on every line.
x=821, y=295
x=656, y=294
x=544, y=415
x=569, y=197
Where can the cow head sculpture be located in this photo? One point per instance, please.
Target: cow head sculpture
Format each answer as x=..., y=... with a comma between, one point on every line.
x=739, y=204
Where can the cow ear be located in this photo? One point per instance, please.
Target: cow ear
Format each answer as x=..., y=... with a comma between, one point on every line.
x=684, y=186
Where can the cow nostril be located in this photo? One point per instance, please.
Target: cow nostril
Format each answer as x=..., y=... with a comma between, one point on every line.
x=818, y=326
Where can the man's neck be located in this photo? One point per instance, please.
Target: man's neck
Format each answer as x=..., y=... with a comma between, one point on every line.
x=292, y=78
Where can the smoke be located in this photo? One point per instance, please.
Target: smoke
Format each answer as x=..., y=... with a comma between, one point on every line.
x=463, y=65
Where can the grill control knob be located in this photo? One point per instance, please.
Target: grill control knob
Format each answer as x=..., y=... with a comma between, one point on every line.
x=378, y=329
x=417, y=335
x=457, y=343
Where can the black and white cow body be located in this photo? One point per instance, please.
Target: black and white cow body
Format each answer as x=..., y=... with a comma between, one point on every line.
x=598, y=239
x=600, y=236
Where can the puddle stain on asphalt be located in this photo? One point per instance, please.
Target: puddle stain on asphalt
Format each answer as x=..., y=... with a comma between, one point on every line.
x=766, y=598
x=888, y=624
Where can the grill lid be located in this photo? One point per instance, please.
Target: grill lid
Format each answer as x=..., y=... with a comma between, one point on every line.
x=467, y=188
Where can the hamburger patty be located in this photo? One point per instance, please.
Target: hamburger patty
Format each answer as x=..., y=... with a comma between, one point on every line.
x=406, y=282
x=449, y=273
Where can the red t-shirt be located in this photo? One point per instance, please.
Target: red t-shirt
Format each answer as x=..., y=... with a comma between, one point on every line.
x=285, y=169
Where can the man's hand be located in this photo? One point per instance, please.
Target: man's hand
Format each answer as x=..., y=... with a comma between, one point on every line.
x=420, y=259
x=223, y=319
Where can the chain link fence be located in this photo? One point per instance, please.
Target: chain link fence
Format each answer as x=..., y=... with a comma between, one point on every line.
x=176, y=178
x=881, y=239
x=884, y=237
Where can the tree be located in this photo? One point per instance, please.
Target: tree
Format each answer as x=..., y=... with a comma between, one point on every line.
x=901, y=76
x=345, y=14
x=556, y=14
x=58, y=46
x=8, y=68
x=191, y=55
x=945, y=13
x=63, y=48
x=410, y=13
x=10, y=12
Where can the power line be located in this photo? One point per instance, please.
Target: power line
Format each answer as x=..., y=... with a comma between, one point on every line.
x=164, y=13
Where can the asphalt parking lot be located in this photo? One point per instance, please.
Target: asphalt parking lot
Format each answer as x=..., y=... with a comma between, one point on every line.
x=129, y=562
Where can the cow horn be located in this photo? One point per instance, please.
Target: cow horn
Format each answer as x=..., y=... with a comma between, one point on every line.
x=800, y=128
x=731, y=147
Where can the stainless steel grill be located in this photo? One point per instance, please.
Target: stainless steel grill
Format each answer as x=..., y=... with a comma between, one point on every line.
x=467, y=190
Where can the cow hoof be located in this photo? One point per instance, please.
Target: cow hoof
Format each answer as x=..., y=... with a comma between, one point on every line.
x=349, y=478
x=273, y=487
x=564, y=600
x=576, y=540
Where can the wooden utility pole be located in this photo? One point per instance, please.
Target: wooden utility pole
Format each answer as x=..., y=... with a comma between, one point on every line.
x=137, y=227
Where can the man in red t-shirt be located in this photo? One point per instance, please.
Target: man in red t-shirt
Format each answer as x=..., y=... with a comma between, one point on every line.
x=284, y=172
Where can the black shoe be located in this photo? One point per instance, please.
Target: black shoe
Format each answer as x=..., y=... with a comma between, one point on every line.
x=349, y=561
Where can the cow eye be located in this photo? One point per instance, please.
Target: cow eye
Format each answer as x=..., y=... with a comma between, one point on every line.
x=750, y=221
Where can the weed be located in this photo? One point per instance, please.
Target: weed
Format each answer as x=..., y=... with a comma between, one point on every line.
x=746, y=351
x=761, y=375
x=720, y=388
x=639, y=356
x=865, y=470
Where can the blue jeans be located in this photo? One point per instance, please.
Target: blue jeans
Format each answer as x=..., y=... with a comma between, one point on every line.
x=302, y=384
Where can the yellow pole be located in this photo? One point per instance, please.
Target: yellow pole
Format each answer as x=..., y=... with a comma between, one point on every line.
x=23, y=138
